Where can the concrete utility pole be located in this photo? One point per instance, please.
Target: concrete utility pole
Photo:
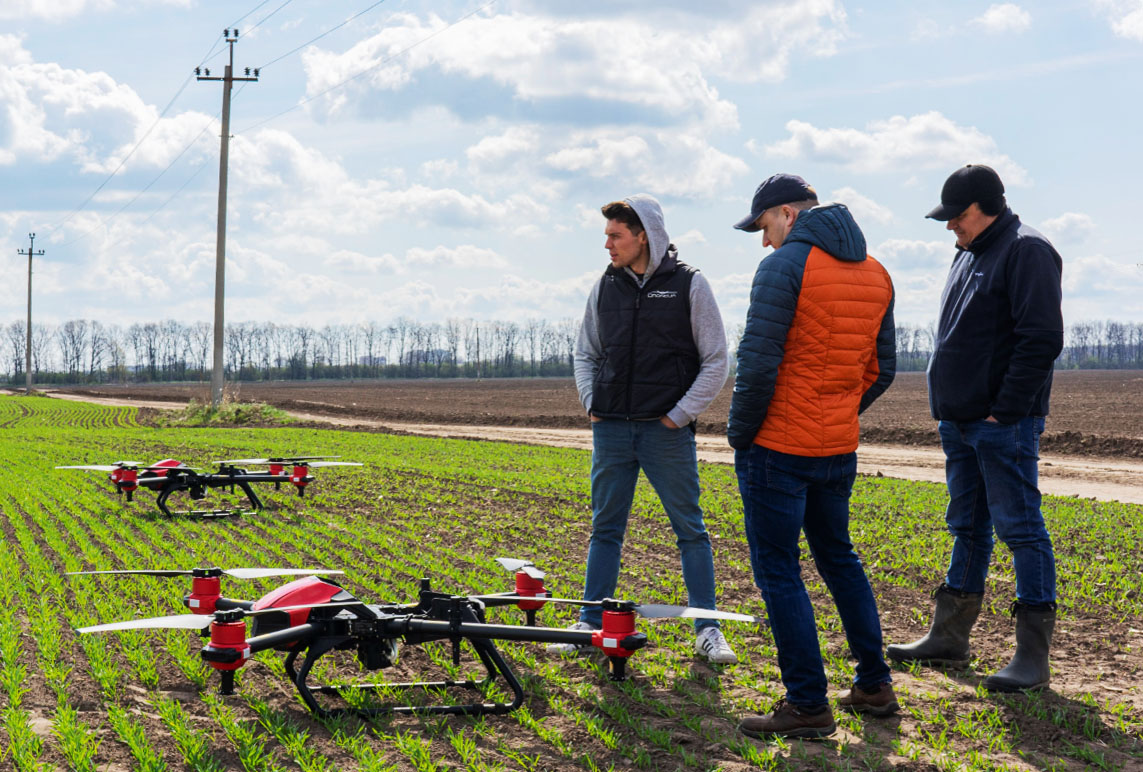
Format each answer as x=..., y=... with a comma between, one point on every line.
x=31, y=251
x=227, y=79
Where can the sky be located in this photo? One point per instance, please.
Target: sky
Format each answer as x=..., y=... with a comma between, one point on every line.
x=449, y=159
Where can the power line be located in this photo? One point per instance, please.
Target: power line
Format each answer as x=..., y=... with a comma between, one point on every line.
x=131, y=152
x=322, y=35
x=243, y=16
x=107, y=220
x=178, y=93
x=386, y=60
x=267, y=16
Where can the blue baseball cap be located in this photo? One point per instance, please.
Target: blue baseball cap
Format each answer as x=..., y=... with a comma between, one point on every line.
x=774, y=191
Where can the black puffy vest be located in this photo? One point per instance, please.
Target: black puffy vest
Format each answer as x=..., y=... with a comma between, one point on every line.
x=649, y=355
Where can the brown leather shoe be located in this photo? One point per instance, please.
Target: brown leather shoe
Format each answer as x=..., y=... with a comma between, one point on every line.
x=787, y=720
x=882, y=702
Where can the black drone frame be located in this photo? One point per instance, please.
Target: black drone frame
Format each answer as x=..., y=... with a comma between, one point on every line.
x=373, y=630
x=196, y=485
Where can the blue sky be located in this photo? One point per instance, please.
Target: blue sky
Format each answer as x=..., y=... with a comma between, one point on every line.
x=448, y=159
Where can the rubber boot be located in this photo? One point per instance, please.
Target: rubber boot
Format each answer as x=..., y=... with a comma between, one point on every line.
x=946, y=643
x=1029, y=666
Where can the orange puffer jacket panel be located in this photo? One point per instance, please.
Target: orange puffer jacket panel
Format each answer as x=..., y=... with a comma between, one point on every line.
x=830, y=357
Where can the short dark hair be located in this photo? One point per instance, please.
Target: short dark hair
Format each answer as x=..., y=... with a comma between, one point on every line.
x=801, y=206
x=624, y=213
x=993, y=206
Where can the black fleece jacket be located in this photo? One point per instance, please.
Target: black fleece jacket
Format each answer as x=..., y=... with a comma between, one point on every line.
x=1000, y=327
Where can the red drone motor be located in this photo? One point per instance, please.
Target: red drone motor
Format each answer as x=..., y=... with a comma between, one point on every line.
x=301, y=478
x=618, y=638
x=206, y=589
x=530, y=587
x=125, y=479
x=227, y=650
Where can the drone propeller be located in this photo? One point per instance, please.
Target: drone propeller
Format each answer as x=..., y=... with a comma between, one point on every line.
x=648, y=610
x=333, y=463
x=199, y=621
x=238, y=573
x=515, y=564
x=273, y=460
x=94, y=467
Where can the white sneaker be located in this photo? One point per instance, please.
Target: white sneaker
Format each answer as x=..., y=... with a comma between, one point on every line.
x=711, y=643
x=568, y=648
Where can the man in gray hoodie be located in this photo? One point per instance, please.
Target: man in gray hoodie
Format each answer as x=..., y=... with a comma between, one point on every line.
x=651, y=356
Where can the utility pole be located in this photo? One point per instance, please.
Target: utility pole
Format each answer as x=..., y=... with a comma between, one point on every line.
x=227, y=79
x=31, y=252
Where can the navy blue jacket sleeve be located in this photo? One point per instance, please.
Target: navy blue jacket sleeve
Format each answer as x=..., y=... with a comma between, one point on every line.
x=886, y=358
x=773, y=302
x=1033, y=276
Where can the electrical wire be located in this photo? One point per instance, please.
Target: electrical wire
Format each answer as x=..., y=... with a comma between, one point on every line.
x=367, y=70
x=267, y=16
x=106, y=221
x=209, y=54
x=252, y=10
x=322, y=35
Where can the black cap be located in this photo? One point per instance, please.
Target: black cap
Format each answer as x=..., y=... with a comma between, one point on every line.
x=774, y=191
x=966, y=186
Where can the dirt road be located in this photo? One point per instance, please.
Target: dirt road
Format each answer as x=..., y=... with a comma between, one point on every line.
x=1105, y=479
x=1087, y=477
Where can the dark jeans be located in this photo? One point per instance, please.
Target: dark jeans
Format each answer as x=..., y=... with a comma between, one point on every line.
x=783, y=494
x=667, y=456
x=992, y=476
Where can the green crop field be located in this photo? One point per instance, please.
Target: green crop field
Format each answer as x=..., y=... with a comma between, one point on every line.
x=444, y=509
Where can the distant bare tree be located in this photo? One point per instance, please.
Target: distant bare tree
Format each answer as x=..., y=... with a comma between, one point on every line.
x=15, y=335
x=42, y=335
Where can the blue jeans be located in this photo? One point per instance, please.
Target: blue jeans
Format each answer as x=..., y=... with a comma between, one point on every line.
x=783, y=494
x=667, y=456
x=993, y=477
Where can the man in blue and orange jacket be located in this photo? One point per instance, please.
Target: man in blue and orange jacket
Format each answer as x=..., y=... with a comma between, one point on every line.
x=819, y=347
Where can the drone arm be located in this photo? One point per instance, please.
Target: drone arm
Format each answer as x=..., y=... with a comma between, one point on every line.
x=280, y=637
x=225, y=604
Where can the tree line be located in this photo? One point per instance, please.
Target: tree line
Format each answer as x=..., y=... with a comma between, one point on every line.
x=88, y=351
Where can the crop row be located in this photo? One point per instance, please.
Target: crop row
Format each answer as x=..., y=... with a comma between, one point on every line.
x=444, y=509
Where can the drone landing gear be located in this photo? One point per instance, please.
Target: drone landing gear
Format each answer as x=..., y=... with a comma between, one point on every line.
x=166, y=491
x=492, y=660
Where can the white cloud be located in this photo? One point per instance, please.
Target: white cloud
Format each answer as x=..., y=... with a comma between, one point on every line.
x=60, y=10
x=1126, y=17
x=88, y=117
x=910, y=254
x=662, y=163
x=1068, y=227
x=50, y=10
x=356, y=261
x=515, y=298
x=864, y=208
x=693, y=236
x=1097, y=287
x=496, y=152
x=1003, y=17
x=926, y=29
x=929, y=140
x=662, y=65
x=464, y=256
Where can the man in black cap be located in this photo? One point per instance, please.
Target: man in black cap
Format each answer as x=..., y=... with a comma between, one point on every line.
x=990, y=377
x=817, y=349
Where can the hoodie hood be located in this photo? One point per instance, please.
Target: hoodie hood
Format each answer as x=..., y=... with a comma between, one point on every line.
x=830, y=227
x=651, y=215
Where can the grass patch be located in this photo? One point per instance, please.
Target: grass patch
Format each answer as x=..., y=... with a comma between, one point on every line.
x=227, y=414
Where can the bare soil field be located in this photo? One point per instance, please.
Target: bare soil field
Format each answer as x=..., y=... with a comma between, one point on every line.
x=1094, y=412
